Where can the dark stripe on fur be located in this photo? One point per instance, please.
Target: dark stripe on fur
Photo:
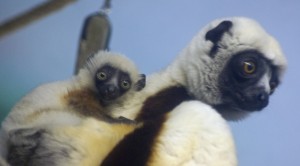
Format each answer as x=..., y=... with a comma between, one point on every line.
x=135, y=148
x=163, y=102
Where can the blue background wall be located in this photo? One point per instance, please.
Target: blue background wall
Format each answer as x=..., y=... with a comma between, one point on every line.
x=152, y=33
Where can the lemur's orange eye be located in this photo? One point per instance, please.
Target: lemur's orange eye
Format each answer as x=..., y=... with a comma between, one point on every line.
x=249, y=67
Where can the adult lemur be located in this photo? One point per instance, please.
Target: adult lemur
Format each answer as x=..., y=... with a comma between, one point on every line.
x=231, y=67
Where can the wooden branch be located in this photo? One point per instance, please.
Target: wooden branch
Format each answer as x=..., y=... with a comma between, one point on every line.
x=32, y=15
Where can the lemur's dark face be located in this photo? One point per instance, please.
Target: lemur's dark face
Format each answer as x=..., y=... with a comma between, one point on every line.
x=247, y=81
x=111, y=83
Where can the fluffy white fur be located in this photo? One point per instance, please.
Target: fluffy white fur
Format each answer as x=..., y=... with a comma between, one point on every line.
x=194, y=134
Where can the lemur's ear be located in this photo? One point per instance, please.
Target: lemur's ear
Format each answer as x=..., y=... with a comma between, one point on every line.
x=215, y=35
x=141, y=83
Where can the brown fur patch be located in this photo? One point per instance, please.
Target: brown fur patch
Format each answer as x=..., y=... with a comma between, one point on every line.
x=85, y=103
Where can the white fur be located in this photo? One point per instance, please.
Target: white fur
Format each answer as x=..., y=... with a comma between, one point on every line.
x=47, y=96
x=194, y=134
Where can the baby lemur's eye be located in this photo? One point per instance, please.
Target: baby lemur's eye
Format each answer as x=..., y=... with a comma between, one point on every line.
x=102, y=76
x=125, y=84
x=249, y=67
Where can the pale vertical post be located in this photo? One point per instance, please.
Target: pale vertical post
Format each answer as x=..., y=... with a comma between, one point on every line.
x=95, y=36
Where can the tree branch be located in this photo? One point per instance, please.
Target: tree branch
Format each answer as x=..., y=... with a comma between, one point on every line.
x=32, y=15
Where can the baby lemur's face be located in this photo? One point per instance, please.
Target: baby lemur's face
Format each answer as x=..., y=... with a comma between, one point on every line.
x=112, y=83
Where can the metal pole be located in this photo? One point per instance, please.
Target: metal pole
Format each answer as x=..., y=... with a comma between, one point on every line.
x=95, y=35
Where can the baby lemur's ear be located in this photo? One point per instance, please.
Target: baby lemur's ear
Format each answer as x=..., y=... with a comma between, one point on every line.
x=141, y=83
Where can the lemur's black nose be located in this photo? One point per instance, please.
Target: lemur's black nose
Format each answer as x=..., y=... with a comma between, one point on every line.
x=262, y=99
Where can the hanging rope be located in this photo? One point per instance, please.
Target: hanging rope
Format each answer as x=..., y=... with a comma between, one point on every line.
x=95, y=35
x=32, y=15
